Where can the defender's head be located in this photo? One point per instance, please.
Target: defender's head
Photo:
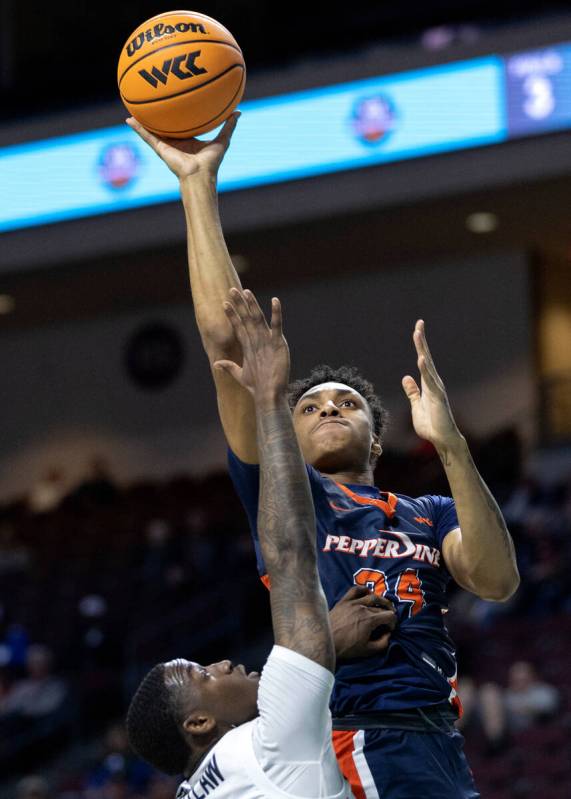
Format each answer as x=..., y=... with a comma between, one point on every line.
x=338, y=419
x=181, y=709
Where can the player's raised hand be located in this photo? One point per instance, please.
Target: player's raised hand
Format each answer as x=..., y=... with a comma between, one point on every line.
x=265, y=354
x=361, y=623
x=186, y=157
x=431, y=414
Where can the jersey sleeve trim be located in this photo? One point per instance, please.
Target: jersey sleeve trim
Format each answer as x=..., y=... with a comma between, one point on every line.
x=449, y=530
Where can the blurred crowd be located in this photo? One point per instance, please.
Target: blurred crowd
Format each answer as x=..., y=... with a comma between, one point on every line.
x=99, y=582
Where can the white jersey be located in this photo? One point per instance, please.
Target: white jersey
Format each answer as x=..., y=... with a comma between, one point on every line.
x=286, y=752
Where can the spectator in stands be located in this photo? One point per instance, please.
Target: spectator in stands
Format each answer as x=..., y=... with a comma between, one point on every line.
x=35, y=711
x=14, y=556
x=484, y=708
x=161, y=553
x=98, y=488
x=118, y=772
x=47, y=493
x=40, y=694
x=526, y=701
x=15, y=648
x=33, y=787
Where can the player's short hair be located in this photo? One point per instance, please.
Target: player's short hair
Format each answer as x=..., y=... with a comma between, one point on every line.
x=350, y=376
x=154, y=725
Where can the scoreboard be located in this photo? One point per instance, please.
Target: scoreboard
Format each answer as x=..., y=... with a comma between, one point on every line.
x=390, y=118
x=538, y=86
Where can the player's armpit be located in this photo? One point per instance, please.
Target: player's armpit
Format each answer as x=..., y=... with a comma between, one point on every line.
x=455, y=560
x=237, y=414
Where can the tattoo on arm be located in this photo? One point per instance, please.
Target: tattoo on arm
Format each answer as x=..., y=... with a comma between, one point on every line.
x=286, y=527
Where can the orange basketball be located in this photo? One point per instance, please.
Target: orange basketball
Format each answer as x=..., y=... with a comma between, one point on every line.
x=181, y=74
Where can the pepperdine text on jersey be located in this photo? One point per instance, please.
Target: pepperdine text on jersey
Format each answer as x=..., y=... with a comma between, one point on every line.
x=380, y=547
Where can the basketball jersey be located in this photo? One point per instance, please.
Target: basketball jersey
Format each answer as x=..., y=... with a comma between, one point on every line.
x=393, y=545
x=286, y=752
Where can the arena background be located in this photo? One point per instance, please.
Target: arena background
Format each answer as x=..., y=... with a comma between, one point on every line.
x=117, y=518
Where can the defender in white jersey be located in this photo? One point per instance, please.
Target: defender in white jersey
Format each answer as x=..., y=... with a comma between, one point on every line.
x=239, y=735
x=286, y=750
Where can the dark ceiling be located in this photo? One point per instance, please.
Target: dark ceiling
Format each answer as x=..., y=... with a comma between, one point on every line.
x=58, y=55
x=64, y=55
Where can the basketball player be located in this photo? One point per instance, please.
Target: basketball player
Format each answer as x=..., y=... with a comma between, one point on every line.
x=204, y=722
x=394, y=713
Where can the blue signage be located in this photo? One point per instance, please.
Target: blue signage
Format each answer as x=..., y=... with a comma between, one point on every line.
x=346, y=126
x=539, y=90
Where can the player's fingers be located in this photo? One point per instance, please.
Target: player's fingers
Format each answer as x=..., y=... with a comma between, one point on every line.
x=372, y=600
x=249, y=326
x=228, y=128
x=356, y=592
x=146, y=135
x=421, y=327
x=252, y=317
x=277, y=319
x=411, y=389
x=417, y=338
x=380, y=618
x=256, y=313
x=384, y=603
x=237, y=323
x=431, y=380
x=378, y=645
x=420, y=332
x=230, y=368
x=238, y=300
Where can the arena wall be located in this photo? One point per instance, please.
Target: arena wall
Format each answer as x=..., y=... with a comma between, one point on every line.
x=67, y=397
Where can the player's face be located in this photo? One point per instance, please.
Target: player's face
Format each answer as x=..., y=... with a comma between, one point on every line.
x=224, y=691
x=334, y=427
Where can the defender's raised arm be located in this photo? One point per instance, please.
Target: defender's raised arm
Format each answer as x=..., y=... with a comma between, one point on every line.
x=212, y=274
x=286, y=519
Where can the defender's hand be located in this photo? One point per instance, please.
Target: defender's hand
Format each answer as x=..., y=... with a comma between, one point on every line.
x=187, y=157
x=355, y=618
x=431, y=414
x=265, y=353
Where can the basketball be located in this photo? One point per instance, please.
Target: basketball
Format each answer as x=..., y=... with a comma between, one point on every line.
x=181, y=74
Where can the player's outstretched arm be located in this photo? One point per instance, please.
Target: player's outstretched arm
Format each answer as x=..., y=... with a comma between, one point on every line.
x=286, y=519
x=212, y=274
x=480, y=554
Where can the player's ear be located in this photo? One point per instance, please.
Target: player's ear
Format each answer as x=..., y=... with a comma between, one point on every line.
x=376, y=447
x=199, y=724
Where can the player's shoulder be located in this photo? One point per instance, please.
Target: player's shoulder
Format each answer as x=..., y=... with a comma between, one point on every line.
x=428, y=505
x=226, y=767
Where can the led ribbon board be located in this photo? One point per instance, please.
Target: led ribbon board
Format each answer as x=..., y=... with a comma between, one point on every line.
x=346, y=126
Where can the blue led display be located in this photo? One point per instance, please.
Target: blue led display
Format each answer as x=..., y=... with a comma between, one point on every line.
x=346, y=126
x=539, y=90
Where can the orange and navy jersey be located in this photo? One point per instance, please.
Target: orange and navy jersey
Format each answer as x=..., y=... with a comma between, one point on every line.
x=392, y=544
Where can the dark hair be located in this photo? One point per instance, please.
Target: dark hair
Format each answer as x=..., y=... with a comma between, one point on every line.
x=350, y=376
x=153, y=726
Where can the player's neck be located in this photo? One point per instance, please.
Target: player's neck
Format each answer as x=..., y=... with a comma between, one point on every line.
x=196, y=759
x=357, y=477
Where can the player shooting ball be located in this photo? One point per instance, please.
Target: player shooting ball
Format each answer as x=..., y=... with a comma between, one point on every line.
x=394, y=710
x=236, y=734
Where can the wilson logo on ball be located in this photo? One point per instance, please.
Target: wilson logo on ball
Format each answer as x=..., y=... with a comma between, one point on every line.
x=182, y=67
x=159, y=30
